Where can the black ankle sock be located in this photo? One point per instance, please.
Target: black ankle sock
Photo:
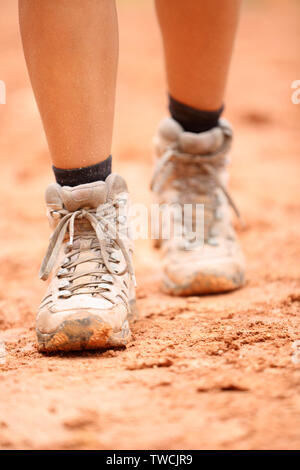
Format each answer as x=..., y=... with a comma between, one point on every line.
x=86, y=174
x=192, y=119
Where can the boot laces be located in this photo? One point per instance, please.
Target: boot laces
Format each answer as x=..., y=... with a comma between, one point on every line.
x=105, y=240
x=205, y=165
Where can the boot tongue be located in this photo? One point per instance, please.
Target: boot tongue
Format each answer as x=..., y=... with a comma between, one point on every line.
x=89, y=195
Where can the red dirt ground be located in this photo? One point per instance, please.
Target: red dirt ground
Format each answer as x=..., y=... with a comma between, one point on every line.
x=210, y=372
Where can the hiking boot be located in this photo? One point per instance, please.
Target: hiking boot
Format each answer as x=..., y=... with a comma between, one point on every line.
x=91, y=296
x=191, y=169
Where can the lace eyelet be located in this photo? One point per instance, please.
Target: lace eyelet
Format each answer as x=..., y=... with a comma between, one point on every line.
x=55, y=215
x=122, y=219
x=115, y=256
x=212, y=242
x=107, y=278
x=62, y=272
x=63, y=284
x=64, y=294
x=69, y=246
x=120, y=203
x=65, y=262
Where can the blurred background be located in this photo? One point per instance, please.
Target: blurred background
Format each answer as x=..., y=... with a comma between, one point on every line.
x=265, y=183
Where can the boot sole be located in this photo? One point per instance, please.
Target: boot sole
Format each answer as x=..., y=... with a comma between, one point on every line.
x=86, y=332
x=203, y=284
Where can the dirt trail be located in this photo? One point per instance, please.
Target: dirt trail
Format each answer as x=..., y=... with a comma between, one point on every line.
x=210, y=372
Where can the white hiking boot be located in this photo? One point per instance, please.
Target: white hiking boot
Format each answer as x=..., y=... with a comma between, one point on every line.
x=91, y=295
x=191, y=169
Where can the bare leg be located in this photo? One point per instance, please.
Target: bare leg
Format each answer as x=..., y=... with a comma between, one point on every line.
x=71, y=49
x=198, y=39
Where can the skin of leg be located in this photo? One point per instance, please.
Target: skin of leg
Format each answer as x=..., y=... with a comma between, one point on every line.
x=198, y=39
x=71, y=50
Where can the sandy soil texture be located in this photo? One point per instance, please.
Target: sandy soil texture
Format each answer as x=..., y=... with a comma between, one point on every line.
x=211, y=372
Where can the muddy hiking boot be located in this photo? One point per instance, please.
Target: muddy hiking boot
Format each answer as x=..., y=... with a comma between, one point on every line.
x=91, y=296
x=191, y=169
